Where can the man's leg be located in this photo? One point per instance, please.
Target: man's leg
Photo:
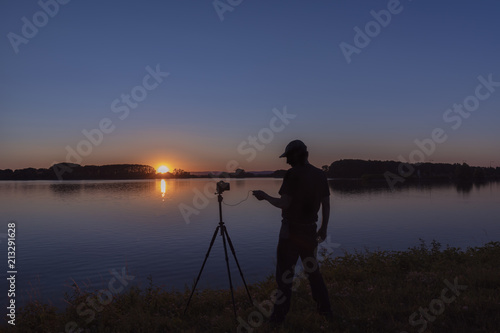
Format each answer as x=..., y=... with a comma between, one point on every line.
x=311, y=267
x=287, y=256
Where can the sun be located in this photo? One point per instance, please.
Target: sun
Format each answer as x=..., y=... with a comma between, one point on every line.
x=163, y=169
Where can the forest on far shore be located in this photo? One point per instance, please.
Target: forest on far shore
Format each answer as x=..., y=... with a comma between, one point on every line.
x=367, y=170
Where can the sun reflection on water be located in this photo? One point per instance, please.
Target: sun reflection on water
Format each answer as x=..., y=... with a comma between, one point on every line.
x=163, y=188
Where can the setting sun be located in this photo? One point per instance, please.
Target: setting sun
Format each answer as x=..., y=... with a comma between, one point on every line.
x=163, y=169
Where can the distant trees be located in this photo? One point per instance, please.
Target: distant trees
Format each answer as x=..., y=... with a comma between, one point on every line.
x=6, y=174
x=349, y=168
x=369, y=170
x=478, y=174
x=179, y=173
x=241, y=173
x=113, y=171
x=77, y=172
x=238, y=173
x=352, y=168
x=463, y=172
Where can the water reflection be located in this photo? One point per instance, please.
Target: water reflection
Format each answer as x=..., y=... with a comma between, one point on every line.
x=481, y=183
x=65, y=189
x=163, y=188
x=181, y=186
x=357, y=187
x=70, y=188
x=464, y=187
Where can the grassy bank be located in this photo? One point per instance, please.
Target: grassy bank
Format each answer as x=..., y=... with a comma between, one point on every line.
x=423, y=289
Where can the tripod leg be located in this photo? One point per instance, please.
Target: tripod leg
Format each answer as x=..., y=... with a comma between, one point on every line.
x=237, y=264
x=202, y=266
x=224, y=233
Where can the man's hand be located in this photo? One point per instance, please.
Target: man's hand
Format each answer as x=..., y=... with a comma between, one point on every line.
x=282, y=202
x=321, y=234
x=260, y=195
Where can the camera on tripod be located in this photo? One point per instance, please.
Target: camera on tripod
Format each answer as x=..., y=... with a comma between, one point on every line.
x=222, y=186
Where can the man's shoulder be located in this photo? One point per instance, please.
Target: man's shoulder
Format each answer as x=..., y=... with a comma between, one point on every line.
x=307, y=170
x=317, y=171
x=315, y=168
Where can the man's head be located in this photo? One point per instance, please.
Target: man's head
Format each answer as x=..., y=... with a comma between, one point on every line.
x=296, y=153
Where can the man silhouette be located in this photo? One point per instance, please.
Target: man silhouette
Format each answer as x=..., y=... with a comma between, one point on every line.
x=303, y=191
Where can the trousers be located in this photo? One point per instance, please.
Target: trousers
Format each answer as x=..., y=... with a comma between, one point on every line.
x=298, y=241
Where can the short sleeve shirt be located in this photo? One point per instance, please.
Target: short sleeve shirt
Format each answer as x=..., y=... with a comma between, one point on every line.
x=307, y=186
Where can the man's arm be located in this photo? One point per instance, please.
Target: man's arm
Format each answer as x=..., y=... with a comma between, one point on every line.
x=283, y=202
x=325, y=217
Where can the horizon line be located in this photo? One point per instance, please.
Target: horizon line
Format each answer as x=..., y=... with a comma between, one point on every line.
x=260, y=171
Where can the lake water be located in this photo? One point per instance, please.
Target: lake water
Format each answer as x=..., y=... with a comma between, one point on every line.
x=83, y=230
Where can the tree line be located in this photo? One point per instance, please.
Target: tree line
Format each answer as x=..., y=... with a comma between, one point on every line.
x=377, y=170
x=77, y=172
x=342, y=169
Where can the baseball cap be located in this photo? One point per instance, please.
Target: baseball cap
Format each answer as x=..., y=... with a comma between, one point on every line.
x=294, y=146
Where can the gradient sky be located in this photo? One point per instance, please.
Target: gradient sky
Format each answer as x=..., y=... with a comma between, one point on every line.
x=226, y=77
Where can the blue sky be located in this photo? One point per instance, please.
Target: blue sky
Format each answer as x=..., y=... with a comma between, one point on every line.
x=226, y=77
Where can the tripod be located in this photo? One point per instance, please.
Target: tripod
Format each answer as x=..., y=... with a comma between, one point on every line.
x=224, y=234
